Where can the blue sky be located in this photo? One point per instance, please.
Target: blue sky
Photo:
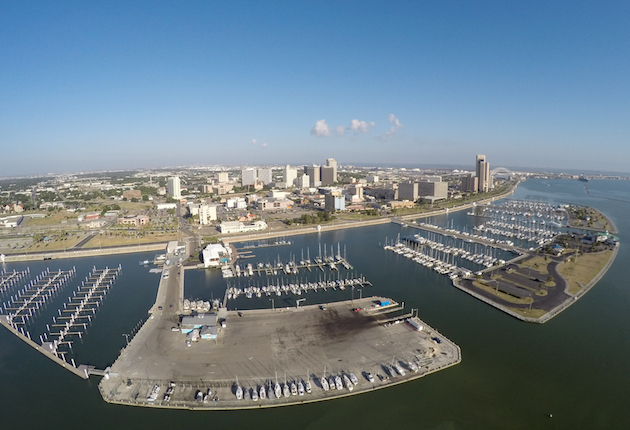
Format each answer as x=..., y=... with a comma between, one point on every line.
x=118, y=84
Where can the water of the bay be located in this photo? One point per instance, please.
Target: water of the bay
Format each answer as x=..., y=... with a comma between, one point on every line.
x=568, y=373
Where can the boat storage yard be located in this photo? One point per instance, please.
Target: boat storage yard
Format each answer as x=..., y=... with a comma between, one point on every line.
x=262, y=353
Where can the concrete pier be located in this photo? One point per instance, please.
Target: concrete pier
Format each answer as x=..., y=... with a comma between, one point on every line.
x=296, y=343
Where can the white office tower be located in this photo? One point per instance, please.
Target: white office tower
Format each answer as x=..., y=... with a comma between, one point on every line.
x=289, y=175
x=248, y=177
x=331, y=162
x=173, y=187
x=265, y=176
x=207, y=213
x=303, y=181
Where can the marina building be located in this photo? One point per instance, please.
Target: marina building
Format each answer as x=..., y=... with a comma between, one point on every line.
x=215, y=255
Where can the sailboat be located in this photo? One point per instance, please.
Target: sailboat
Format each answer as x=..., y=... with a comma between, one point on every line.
x=278, y=390
x=348, y=383
x=285, y=388
x=239, y=390
x=324, y=381
x=307, y=384
x=262, y=392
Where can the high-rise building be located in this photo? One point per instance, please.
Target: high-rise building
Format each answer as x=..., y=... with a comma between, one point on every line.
x=173, y=187
x=328, y=174
x=207, y=213
x=331, y=162
x=265, y=176
x=288, y=175
x=469, y=184
x=222, y=177
x=313, y=173
x=433, y=189
x=302, y=181
x=408, y=191
x=248, y=177
x=334, y=202
x=483, y=174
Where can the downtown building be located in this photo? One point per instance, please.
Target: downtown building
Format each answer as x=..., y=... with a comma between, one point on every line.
x=173, y=187
x=483, y=174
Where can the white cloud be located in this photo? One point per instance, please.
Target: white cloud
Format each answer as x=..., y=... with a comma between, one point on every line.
x=392, y=118
x=320, y=129
x=341, y=130
x=254, y=141
x=396, y=124
x=361, y=126
x=264, y=145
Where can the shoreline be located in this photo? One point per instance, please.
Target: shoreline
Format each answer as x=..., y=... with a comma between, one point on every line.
x=355, y=224
x=126, y=249
x=556, y=310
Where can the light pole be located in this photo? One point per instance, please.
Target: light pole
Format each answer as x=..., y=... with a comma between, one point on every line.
x=273, y=305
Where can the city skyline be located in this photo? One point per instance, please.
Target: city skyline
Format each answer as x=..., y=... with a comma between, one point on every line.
x=91, y=87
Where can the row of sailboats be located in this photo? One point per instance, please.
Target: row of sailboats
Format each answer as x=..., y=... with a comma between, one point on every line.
x=275, y=390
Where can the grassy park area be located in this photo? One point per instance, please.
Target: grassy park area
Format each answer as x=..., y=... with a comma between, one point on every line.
x=581, y=269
